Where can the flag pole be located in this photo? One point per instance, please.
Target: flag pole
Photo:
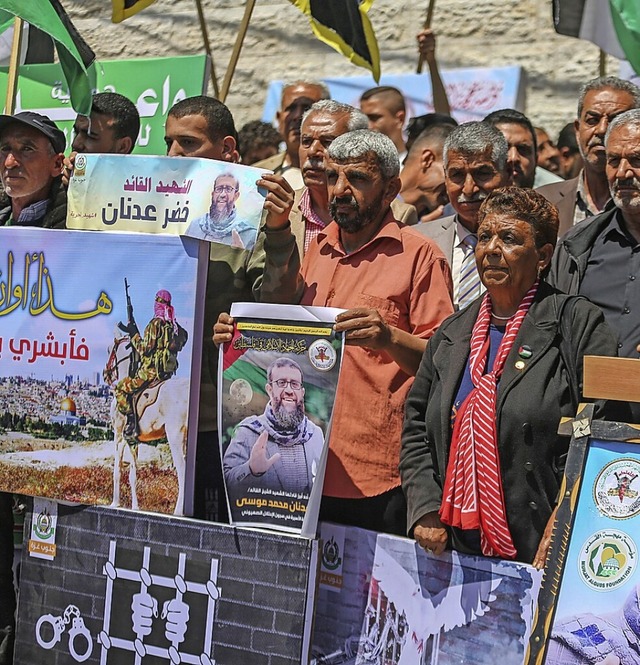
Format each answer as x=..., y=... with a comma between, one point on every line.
x=14, y=66
x=603, y=64
x=207, y=47
x=226, y=84
x=427, y=25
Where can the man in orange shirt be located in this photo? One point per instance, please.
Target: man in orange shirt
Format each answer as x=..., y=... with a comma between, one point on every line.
x=397, y=285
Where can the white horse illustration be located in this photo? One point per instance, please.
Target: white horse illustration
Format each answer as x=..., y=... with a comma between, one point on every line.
x=164, y=416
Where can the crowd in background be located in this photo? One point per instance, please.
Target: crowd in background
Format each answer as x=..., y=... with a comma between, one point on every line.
x=457, y=253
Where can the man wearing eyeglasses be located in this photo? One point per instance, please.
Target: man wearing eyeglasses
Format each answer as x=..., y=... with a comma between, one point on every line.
x=221, y=224
x=280, y=448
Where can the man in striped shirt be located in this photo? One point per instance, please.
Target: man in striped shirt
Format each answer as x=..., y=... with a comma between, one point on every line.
x=321, y=125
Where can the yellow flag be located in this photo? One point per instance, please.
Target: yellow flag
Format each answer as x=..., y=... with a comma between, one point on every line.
x=345, y=26
x=122, y=9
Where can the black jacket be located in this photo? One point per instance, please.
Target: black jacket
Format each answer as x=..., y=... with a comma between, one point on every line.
x=572, y=252
x=530, y=403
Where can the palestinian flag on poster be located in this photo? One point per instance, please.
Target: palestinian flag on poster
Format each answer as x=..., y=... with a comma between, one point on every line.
x=613, y=25
x=345, y=26
x=75, y=55
x=122, y=9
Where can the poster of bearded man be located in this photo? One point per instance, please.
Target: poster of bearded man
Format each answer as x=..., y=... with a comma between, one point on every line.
x=221, y=223
x=277, y=388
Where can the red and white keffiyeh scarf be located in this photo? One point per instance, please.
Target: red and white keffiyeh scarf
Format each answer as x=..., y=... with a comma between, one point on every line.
x=472, y=494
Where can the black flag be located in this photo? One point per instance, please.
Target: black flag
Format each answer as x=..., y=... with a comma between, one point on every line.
x=345, y=26
x=122, y=9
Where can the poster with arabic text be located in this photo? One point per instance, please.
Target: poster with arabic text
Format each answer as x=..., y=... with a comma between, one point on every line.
x=98, y=331
x=277, y=386
x=201, y=198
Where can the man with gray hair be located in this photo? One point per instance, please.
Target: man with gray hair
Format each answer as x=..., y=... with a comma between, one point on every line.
x=321, y=124
x=475, y=159
x=600, y=257
x=582, y=197
x=396, y=287
x=297, y=97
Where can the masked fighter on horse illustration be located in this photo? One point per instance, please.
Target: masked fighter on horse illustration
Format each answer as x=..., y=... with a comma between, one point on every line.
x=149, y=403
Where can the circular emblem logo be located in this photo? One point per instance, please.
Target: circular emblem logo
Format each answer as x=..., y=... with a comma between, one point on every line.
x=322, y=355
x=241, y=392
x=79, y=165
x=331, y=558
x=607, y=559
x=616, y=491
x=43, y=525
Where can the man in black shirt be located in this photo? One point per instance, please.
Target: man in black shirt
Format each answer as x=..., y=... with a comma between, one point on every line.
x=600, y=257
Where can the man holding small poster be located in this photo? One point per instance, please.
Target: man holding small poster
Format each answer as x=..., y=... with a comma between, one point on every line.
x=397, y=286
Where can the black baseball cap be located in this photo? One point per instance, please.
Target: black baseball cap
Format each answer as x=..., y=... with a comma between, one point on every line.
x=39, y=122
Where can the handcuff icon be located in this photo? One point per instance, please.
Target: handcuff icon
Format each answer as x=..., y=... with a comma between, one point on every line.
x=58, y=624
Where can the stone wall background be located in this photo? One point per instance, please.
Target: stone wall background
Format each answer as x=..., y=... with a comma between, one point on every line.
x=280, y=45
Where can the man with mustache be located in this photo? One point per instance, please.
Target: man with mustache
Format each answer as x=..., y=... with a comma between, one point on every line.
x=600, y=257
x=521, y=138
x=397, y=285
x=280, y=448
x=475, y=163
x=584, y=196
x=321, y=124
x=297, y=97
x=220, y=224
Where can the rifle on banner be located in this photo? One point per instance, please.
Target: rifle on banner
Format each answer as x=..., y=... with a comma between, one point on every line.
x=131, y=329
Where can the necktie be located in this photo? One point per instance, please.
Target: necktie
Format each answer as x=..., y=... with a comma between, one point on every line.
x=469, y=287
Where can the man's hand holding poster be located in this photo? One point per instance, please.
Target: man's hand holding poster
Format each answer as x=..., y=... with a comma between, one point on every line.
x=277, y=387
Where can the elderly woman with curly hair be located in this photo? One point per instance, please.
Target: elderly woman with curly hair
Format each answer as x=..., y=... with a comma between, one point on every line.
x=481, y=460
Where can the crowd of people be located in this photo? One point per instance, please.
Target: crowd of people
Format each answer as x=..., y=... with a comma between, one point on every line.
x=477, y=264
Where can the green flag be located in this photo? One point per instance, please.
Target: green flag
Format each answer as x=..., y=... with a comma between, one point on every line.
x=74, y=54
x=614, y=26
x=625, y=15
